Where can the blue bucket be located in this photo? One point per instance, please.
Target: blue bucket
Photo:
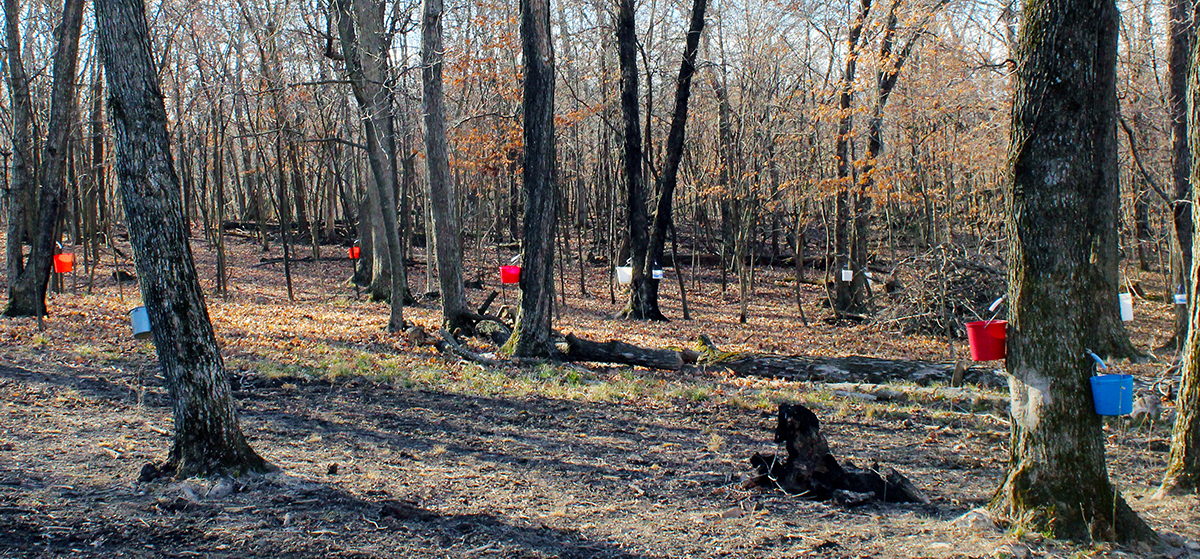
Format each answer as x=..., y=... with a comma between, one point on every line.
x=141, y=323
x=1113, y=394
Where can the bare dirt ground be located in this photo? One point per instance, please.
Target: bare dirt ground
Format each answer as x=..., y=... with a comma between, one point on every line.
x=389, y=450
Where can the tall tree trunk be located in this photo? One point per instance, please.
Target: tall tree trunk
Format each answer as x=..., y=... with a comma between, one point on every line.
x=1183, y=36
x=635, y=186
x=846, y=292
x=643, y=300
x=208, y=439
x=1062, y=260
x=27, y=293
x=22, y=206
x=1183, y=463
x=531, y=335
x=365, y=48
x=442, y=202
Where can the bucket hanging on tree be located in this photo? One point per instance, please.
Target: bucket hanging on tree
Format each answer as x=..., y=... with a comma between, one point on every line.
x=355, y=252
x=1112, y=394
x=1126, y=302
x=140, y=320
x=624, y=275
x=64, y=262
x=988, y=339
x=510, y=274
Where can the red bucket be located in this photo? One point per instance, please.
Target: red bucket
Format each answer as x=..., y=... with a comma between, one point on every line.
x=510, y=274
x=987, y=339
x=63, y=262
x=355, y=252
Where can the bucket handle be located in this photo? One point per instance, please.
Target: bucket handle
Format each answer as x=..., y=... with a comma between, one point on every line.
x=1097, y=359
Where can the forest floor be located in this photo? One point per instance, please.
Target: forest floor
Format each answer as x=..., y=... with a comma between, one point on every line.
x=391, y=450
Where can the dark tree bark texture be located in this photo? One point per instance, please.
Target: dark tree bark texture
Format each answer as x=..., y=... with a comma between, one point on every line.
x=643, y=302
x=1183, y=464
x=635, y=184
x=442, y=203
x=1062, y=271
x=1182, y=28
x=208, y=439
x=20, y=196
x=531, y=335
x=27, y=290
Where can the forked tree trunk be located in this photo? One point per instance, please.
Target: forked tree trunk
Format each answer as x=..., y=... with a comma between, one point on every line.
x=360, y=25
x=1183, y=464
x=643, y=302
x=27, y=289
x=442, y=202
x=1062, y=271
x=531, y=335
x=21, y=189
x=208, y=439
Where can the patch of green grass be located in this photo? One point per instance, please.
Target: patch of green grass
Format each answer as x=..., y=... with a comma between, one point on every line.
x=39, y=341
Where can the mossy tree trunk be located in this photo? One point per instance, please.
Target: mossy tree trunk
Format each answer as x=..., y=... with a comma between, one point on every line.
x=208, y=439
x=1062, y=271
x=531, y=336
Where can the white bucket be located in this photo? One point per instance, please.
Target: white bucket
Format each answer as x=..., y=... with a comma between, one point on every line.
x=847, y=274
x=1126, y=300
x=141, y=323
x=624, y=275
x=656, y=274
x=1181, y=298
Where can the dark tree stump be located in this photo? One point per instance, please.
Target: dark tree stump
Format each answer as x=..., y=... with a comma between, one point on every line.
x=811, y=470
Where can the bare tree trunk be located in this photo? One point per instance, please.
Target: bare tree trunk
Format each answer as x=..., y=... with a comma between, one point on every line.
x=1183, y=464
x=531, y=335
x=208, y=439
x=635, y=186
x=846, y=292
x=1062, y=263
x=1183, y=36
x=643, y=302
x=442, y=203
x=366, y=49
x=21, y=202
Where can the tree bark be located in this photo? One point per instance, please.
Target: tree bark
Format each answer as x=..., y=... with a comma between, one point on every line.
x=1062, y=271
x=208, y=439
x=27, y=290
x=643, y=301
x=1182, y=29
x=531, y=336
x=635, y=185
x=360, y=25
x=23, y=179
x=846, y=293
x=1183, y=463
x=615, y=351
x=442, y=202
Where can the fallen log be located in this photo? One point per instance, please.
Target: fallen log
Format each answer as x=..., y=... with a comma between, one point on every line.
x=853, y=368
x=615, y=351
